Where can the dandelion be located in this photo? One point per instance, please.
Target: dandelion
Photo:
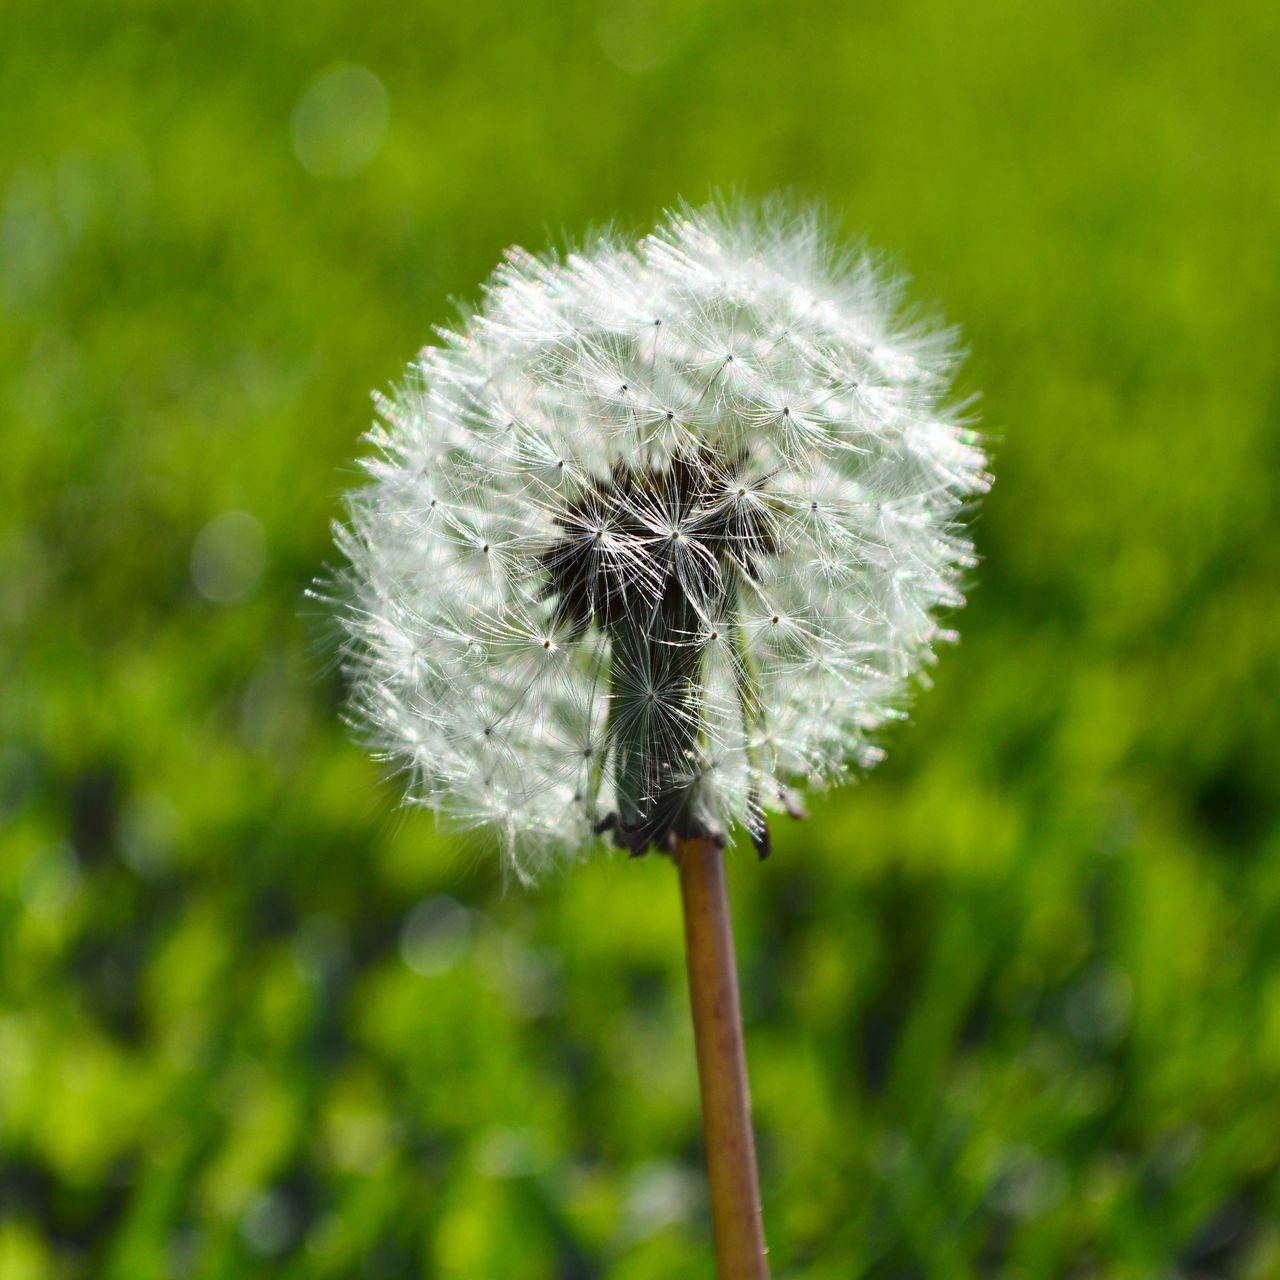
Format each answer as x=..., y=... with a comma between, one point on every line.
x=655, y=539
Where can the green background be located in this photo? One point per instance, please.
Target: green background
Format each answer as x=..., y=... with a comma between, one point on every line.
x=1012, y=1003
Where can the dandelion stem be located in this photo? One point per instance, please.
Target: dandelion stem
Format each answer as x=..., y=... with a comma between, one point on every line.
x=722, y=1065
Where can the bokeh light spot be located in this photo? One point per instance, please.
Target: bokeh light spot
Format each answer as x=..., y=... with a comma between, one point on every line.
x=228, y=557
x=268, y=1224
x=340, y=121
x=644, y=35
x=49, y=879
x=435, y=936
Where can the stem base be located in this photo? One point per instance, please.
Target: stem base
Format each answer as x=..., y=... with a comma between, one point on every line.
x=722, y=1065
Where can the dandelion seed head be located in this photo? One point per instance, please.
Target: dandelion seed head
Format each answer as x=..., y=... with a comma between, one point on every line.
x=660, y=531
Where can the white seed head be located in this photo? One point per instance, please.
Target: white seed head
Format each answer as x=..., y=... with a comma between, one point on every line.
x=657, y=534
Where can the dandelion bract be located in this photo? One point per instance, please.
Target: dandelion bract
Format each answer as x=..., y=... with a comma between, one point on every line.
x=659, y=533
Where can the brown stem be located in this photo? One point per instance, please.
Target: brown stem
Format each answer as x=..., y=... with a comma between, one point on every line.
x=722, y=1064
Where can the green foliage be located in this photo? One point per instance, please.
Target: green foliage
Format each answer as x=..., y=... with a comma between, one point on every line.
x=1013, y=1003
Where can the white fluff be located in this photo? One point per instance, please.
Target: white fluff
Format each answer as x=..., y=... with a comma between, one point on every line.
x=829, y=464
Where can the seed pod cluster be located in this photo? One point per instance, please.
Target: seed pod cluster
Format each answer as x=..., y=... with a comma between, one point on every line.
x=660, y=533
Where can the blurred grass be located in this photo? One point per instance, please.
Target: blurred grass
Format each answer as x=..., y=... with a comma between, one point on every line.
x=1013, y=1003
